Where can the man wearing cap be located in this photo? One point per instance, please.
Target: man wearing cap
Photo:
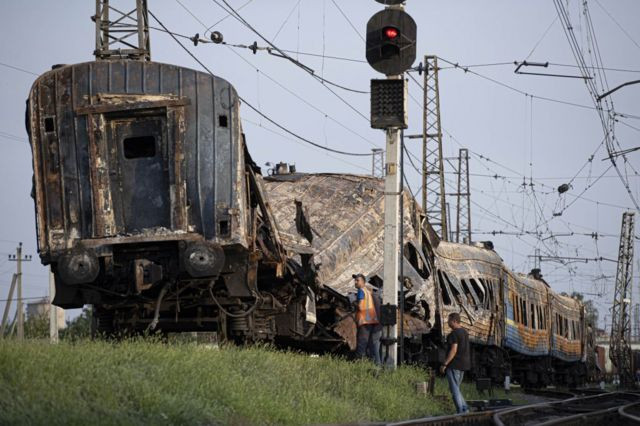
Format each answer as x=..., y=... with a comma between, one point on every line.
x=369, y=330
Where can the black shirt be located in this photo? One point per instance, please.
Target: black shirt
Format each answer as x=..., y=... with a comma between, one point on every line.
x=462, y=360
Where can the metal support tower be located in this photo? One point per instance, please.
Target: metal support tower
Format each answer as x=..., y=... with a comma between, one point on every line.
x=636, y=323
x=122, y=35
x=377, y=162
x=433, y=192
x=620, y=352
x=463, y=219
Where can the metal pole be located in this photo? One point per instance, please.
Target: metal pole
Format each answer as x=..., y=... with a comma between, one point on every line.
x=53, y=310
x=425, y=170
x=392, y=191
x=19, y=305
x=401, y=250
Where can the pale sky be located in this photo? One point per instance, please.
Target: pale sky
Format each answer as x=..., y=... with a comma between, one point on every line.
x=522, y=136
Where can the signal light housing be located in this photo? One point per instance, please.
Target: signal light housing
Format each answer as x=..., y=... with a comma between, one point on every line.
x=391, y=41
x=390, y=33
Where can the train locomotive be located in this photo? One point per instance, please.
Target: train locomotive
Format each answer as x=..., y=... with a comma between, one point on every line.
x=150, y=209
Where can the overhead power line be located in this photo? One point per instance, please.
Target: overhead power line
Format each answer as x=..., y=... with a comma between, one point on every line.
x=256, y=110
x=283, y=54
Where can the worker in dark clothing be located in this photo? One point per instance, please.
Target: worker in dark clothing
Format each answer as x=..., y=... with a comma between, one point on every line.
x=368, y=333
x=458, y=360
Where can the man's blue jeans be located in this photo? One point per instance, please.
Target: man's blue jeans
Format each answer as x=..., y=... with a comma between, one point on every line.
x=368, y=342
x=454, y=377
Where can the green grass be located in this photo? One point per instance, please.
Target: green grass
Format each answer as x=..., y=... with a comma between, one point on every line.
x=142, y=382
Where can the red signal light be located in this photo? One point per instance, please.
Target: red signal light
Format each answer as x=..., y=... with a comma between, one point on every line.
x=390, y=33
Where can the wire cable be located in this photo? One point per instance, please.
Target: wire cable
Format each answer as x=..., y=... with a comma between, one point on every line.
x=263, y=115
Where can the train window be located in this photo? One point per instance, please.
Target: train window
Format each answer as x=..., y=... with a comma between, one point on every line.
x=524, y=313
x=224, y=230
x=49, y=125
x=446, y=299
x=455, y=294
x=515, y=305
x=566, y=328
x=488, y=285
x=467, y=294
x=558, y=325
x=533, y=316
x=223, y=121
x=541, y=322
x=479, y=289
x=139, y=147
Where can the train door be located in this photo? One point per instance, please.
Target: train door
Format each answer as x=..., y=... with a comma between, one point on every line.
x=139, y=171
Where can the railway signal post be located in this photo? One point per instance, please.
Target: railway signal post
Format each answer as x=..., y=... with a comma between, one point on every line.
x=391, y=50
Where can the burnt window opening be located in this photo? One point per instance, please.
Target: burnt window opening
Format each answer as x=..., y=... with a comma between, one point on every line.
x=524, y=313
x=455, y=293
x=49, y=125
x=446, y=299
x=139, y=147
x=224, y=228
x=223, y=121
x=467, y=294
x=533, y=317
x=479, y=288
x=411, y=254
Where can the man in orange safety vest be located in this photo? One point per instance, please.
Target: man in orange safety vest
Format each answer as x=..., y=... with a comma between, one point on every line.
x=369, y=329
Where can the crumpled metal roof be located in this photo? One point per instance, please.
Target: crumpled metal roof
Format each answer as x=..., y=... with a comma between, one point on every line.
x=346, y=214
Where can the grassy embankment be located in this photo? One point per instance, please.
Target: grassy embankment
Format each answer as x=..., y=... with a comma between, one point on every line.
x=153, y=383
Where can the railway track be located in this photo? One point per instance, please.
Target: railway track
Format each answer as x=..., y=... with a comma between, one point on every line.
x=588, y=410
x=612, y=409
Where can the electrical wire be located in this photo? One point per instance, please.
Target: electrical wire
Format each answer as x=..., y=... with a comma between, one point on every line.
x=284, y=55
x=256, y=110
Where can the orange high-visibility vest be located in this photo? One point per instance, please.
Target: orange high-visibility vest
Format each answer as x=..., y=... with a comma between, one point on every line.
x=366, y=309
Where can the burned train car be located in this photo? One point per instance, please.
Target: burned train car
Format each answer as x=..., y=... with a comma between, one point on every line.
x=337, y=222
x=149, y=208
x=147, y=204
x=338, y=219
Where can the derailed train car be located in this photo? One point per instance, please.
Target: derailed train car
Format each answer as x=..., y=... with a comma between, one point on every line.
x=508, y=315
x=149, y=207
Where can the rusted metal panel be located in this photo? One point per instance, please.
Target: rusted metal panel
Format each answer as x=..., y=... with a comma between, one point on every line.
x=79, y=189
x=469, y=280
x=345, y=215
x=527, y=339
x=563, y=345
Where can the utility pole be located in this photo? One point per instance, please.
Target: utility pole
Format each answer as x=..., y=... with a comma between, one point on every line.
x=433, y=190
x=7, y=306
x=377, y=162
x=620, y=349
x=391, y=50
x=18, y=258
x=463, y=217
x=122, y=35
x=53, y=310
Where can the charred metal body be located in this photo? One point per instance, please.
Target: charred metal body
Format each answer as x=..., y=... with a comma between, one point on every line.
x=147, y=204
x=150, y=208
